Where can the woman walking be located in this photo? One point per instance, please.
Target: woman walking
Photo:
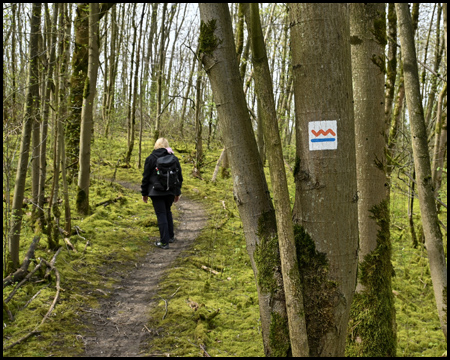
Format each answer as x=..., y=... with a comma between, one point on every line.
x=162, y=180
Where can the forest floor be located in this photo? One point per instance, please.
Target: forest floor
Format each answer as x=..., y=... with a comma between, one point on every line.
x=118, y=325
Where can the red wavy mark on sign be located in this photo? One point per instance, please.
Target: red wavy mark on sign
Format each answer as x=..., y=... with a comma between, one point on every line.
x=324, y=133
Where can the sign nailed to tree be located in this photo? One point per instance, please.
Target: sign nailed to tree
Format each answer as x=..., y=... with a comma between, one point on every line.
x=322, y=135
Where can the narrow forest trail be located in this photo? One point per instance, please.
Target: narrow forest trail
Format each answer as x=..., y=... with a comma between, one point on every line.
x=117, y=325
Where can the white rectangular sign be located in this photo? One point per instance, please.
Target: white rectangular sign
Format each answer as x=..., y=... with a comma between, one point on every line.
x=322, y=135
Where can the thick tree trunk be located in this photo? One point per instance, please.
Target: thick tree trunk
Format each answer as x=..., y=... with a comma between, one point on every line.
x=87, y=112
x=373, y=313
x=325, y=175
x=31, y=110
x=433, y=236
x=218, y=55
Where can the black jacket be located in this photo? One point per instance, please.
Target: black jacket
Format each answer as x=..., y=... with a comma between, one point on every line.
x=150, y=177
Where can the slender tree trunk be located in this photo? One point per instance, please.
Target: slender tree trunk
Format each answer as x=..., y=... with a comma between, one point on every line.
x=135, y=90
x=112, y=72
x=373, y=313
x=440, y=143
x=46, y=113
x=87, y=112
x=31, y=111
x=218, y=54
x=160, y=75
x=130, y=126
x=433, y=236
x=285, y=229
x=391, y=64
x=186, y=96
x=198, y=121
x=325, y=175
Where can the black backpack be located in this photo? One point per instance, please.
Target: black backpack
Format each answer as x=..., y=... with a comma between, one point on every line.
x=167, y=173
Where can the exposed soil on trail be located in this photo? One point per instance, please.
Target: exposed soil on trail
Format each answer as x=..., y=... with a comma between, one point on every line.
x=118, y=324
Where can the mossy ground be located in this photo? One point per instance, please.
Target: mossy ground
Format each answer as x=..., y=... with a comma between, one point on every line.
x=226, y=321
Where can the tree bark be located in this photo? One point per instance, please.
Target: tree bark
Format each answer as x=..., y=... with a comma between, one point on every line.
x=374, y=288
x=326, y=193
x=218, y=55
x=432, y=232
x=31, y=111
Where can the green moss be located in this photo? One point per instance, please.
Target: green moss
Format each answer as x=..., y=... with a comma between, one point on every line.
x=279, y=336
x=86, y=89
x=379, y=29
x=267, y=254
x=355, y=40
x=319, y=292
x=372, y=327
x=208, y=41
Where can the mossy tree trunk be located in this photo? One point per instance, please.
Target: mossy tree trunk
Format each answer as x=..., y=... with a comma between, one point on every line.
x=77, y=83
x=430, y=222
x=87, y=112
x=326, y=192
x=31, y=110
x=218, y=55
x=289, y=265
x=372, y=317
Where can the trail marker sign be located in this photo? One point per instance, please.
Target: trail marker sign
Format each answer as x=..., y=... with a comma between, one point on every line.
x=322, y=135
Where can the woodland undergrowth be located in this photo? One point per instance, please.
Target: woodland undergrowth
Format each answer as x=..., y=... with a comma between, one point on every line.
x=208, y=299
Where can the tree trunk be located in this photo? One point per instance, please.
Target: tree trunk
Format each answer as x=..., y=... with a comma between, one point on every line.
x=77, y=83
x=325, y=175
x=391, y=64
x=112, y=72
x=285, y=229
x=198, y=121
x=31, y=110
x=440, y=143
x=87, y=112
x=218, y=54
x=160, y=75
x=373, y=313
x=433, y=236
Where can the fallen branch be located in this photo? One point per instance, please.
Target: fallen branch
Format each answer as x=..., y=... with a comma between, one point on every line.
x=205, y=354
x=22, y=271
x=69, y=244
x=210, y=270
x=108, y=202
x=37, y=267
x=52, y=306
x=214, y=270
x=167, y=303
x=50, y=266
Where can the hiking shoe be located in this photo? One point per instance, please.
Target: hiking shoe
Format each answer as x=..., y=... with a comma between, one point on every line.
x=172, y=240
x=161, y=245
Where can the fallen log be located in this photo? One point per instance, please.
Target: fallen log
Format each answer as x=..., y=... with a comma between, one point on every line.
x=21, y=272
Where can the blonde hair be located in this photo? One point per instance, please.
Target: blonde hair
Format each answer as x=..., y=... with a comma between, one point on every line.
x=161, y=143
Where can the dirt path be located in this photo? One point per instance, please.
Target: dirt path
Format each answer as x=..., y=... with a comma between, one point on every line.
x=119, y=322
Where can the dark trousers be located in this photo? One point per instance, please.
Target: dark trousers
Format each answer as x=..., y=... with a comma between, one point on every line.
x=162, y=205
